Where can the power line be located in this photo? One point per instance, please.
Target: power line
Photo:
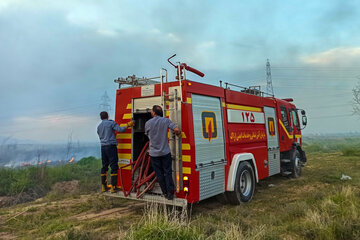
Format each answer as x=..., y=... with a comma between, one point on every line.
x=105, y=103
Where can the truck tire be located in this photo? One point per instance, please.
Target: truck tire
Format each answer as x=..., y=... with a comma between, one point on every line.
x=295, y=159
x=244, y=185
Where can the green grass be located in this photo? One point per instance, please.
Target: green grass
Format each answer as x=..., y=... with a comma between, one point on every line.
x=348, y=146
x=160, y=223
x=39, y=180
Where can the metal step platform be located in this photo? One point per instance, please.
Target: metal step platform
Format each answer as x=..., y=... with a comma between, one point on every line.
x=180, y=202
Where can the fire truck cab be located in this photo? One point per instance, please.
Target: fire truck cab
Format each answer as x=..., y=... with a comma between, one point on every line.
x=231, y=137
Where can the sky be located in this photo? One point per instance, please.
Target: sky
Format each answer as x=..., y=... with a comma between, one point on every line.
x=57, y=58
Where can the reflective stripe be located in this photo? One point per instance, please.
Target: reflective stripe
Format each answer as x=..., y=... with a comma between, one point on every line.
x=127, y=168
x=127, y=116
x=124, y=155
x=114, y=174
x=124, y=146
x=123, y=136
x=129, y=106
x=183, y=135
x=185, y=146
x=188, y=100
x=245, y=108
x=287, y=133
x=186, y=170
x=186, y=158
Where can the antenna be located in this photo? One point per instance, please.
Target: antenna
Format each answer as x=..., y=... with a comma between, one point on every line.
x=269, y=86
x=105, y=103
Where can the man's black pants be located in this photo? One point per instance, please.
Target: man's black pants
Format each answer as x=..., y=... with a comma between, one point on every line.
x=109, y=155
x=163, y=169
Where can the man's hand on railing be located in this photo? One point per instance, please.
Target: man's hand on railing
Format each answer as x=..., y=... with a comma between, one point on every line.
x=177, y=131
x=131, y=123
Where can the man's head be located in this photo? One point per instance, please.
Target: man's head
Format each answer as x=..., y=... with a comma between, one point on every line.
x=157, y=111
x=104, y=115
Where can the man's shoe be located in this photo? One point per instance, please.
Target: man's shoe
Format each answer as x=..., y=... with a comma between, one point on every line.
x=113, y=189
x=170, y=196
x=103, y=188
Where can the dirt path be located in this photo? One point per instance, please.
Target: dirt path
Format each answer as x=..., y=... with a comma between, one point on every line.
x=109, y=213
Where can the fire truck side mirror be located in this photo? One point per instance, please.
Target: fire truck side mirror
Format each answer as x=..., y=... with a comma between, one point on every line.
x=304, y=120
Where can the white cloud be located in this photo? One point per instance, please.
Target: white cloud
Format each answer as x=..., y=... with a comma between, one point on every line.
x=343, y=55
x=107, y=32
x=173, y=37
x=207, y=45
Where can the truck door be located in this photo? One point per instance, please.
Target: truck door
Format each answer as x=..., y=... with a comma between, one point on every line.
x=272, y=141
x=209, y=144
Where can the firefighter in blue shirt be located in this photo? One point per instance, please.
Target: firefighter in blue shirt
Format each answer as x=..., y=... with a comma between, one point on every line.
x=157, y=131
x=109, y=154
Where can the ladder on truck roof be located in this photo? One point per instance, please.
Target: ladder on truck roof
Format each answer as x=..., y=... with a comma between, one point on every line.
x=134, y=81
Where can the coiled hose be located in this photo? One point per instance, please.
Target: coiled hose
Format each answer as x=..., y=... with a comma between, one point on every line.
x=145, y=177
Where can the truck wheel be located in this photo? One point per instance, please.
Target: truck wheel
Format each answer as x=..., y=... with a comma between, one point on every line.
x=295, y=164
x=244, y=185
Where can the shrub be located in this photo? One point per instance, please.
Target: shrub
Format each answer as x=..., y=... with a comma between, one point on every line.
x=350, y=151
x=32, y=179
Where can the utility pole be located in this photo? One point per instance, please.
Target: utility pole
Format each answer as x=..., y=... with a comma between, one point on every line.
x=105, y=103
x=269, y=86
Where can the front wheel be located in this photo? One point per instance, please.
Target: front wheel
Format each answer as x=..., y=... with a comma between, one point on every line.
x=244, y=184
x=295, y=160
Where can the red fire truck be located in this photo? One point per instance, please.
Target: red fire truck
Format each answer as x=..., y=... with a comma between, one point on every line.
x=232, y=137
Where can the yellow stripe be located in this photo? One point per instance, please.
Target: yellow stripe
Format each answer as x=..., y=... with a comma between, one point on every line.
x=167, y=113
x=223, y=104
x=103, y=174
x=186, y=170
x=185, y=146
x=245, y=108
x=186, y=158
x=188, y=100
x=124, y=146
x=129, y=106
x=124, y=155
x=123, y=136
x=123, y=125
x=127, y=168
x=114, y=174
x=287, y=133
x=297, y=136
x=127, y=116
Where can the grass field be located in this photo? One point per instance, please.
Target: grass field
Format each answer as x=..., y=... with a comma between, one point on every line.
x=318, y=205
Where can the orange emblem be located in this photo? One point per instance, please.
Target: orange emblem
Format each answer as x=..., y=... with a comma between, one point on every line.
x=208, y=120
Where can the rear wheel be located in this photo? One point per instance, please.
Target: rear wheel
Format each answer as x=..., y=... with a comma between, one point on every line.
x=295, y=164
x=244, y=184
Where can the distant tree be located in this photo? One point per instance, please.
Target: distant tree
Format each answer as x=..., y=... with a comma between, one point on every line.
x=356, y=99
